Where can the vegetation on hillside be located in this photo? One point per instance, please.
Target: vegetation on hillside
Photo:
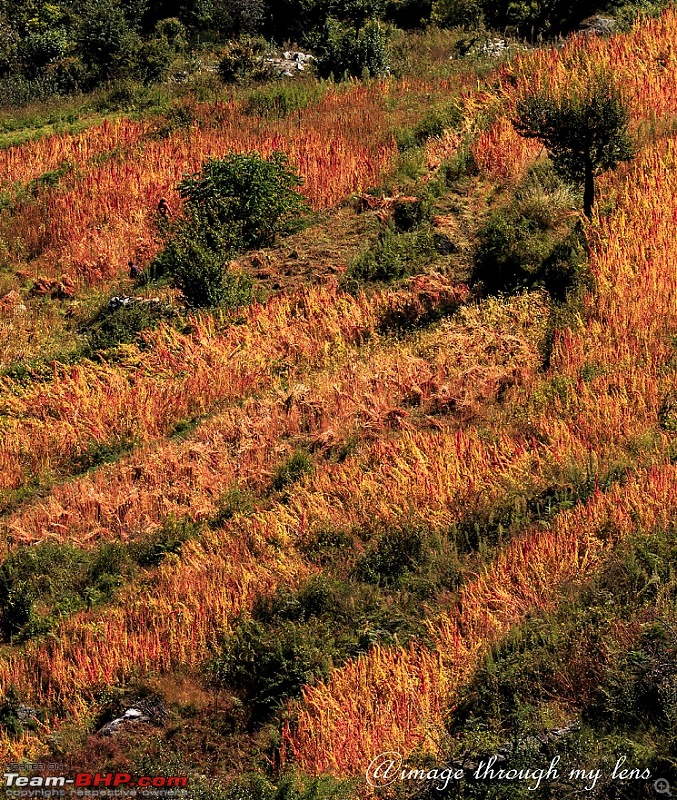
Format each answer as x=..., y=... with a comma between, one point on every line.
x=335, y=417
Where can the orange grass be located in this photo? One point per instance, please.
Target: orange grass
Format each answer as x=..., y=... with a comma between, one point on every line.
x=370, y=705
x=451, y=373
x=182, y=376
x=91, y=226
x=394, y=699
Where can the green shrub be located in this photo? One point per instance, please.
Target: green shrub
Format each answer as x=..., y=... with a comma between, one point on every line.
x=242, y=61
x=395, y=256
x=346, y=51
x=112, y=327
x=461, y=165
x=461, y=13
x=9, y=713
x=255, y=199
x=530, y=242
x=267, y=665
x=437, y=120
x=410, y=214
x=394, y=554
x=292, y=470
x=153, y=59
x=199, y=268
x=153, y=548
x=287, y=787
x=234, y=203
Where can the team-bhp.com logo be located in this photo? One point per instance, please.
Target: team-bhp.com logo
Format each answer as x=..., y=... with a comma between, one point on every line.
x=94, y=780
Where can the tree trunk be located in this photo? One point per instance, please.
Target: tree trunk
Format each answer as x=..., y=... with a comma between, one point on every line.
x=589, y=191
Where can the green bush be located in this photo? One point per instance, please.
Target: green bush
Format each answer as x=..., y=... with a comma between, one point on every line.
x=242, y=61
x=395, y=256
x=287, y=787
x=530, y=242
x=153, y=59
x=256, y=199
x=124, y=324
x=411, y=214
x=267, y=665
x=10, y=706
x=199, y=268
x=234, y=203
x=462, y=13
x=394, y=554
x=347, y=51
x=292, y=470
x=461, y=165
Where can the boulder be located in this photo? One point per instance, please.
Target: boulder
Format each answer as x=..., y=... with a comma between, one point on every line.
x=598, y=26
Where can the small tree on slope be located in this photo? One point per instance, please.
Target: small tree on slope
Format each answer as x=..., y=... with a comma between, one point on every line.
x=585, y=132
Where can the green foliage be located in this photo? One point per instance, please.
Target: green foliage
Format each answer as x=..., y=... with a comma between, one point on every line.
x=198, y=265
x=43, y=583
x=124, y=324
x=530, y=242
x=234, y=203
x=395, y=256
x=106, y=40
x=523, y=17
x=242, y=60
x=436, y=121
x=411, y=214
x=292, y=470
x=277, y=102
x=349, y=51
x=268, y=664
x=97, y=453
x=586, y=132
x=623, y=687
x=462, y=13
x=460, y=166
x=255, y=198
x=288, y=787
x=149, y=551
x=16, y=718
x=392, y=556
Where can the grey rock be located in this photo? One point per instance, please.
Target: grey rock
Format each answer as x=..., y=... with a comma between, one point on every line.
x=599, y=26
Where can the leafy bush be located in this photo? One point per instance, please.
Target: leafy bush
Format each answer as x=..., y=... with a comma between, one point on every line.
x=347, y=51
x=153, y=59
x=287, y=787
x=233, y=204
x=254, y=198
x=462, y=13
x=12, y=721
x=43, y=583
x=461, y=164
x=199, y=267
x=394, y=554
x=242, y=60
x=530, y=241
x=523, y=17
x=270, y=664
x=411, y=214
x=124, y=324
x=395, y=256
